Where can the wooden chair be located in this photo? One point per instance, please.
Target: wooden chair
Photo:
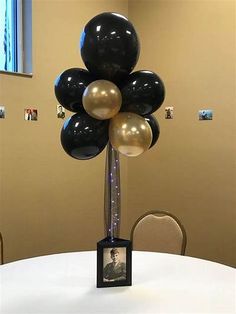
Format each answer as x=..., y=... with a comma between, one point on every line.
x=159, y=231
x=1, y=249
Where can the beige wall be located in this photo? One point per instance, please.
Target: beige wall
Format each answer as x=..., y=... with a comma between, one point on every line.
x=53, y=203
x=191, y=172
x=49, y=201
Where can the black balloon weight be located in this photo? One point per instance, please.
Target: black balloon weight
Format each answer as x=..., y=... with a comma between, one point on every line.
x=84, y=137
x=109, y=46
x=143, y=92
x=70, y=86
x=155, y=128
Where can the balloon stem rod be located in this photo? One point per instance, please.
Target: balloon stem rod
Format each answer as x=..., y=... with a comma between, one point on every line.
x=112, y=193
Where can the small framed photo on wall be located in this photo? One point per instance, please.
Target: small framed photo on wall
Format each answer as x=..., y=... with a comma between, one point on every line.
x=60, y=112
x=114, y=259
x=169, y=112
x=31, y=114
x=2, y=112
x=205, y=114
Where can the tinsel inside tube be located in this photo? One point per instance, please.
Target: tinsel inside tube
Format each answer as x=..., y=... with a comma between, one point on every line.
x=112, y=193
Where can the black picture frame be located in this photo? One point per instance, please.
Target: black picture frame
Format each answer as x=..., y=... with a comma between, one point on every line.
x=108, y=250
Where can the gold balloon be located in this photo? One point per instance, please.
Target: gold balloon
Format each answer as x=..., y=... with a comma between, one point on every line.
x=102, y=99
x=130, y=134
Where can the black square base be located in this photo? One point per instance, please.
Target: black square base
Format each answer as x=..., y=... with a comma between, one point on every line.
x=114, y=262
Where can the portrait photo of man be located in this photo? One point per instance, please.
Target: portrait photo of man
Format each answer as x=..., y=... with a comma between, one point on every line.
x=115, y=264
x=60, y=112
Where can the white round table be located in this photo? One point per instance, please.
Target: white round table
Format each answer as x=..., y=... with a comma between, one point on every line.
x=162, y=283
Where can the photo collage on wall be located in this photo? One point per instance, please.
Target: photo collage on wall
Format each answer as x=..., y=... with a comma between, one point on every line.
x=203, y=114
x=32, y=114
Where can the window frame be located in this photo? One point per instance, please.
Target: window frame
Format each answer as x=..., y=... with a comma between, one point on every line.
x=20, y=38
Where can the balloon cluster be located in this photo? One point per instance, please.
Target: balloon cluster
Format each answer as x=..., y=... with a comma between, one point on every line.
x=110, y=103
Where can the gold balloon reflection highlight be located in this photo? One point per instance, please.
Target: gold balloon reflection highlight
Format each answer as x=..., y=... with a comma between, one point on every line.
x=130, y=134
x=102, y=99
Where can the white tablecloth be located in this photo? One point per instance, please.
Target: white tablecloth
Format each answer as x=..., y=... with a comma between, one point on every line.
x=162, y=283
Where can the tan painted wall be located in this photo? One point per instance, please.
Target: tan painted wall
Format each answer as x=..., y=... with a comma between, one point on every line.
x=191, y=172
x=49, y=201
x=52, y=203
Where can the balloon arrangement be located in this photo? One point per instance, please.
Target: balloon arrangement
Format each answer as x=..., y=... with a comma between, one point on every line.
x=110, y=104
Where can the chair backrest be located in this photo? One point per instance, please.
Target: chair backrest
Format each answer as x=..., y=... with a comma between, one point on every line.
x=1, y=249
x=159, y=231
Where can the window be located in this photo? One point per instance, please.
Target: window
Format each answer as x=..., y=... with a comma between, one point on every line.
x=16, y=36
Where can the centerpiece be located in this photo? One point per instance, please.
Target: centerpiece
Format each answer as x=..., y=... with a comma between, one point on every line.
x=112, y=108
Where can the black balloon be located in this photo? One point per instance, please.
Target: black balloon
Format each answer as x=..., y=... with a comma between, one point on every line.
x=84, y=137
x=155, y=128
x=70, y=86
x=143, y=92
x=109, y=46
